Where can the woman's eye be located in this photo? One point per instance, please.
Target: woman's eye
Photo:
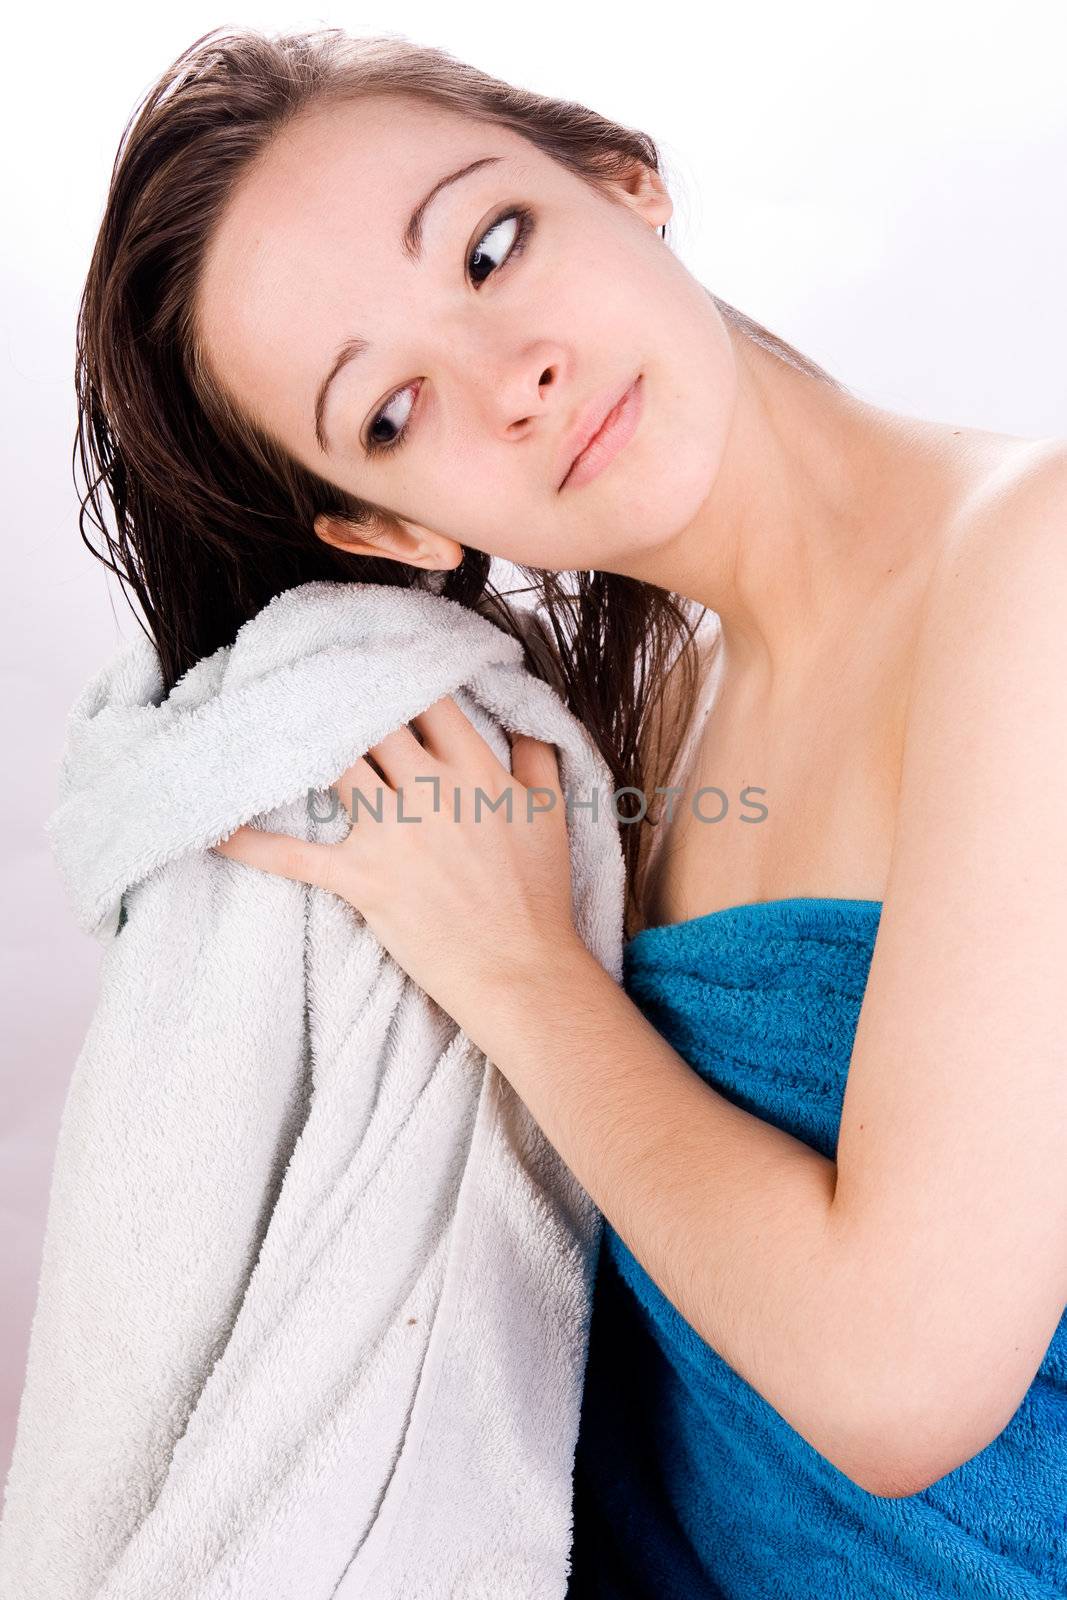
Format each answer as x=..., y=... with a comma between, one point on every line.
x=501, y=243
x=384, y=419
x=509, y=234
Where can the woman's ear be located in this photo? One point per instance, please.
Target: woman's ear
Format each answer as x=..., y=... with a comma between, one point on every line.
x=392, y=538
x=646, y=192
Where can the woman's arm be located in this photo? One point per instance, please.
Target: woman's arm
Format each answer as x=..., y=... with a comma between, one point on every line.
x=954, y=1129
x=893, y=1307
x=731, y=1216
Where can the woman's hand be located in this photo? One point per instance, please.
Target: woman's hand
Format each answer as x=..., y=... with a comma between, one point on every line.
x=460, y=902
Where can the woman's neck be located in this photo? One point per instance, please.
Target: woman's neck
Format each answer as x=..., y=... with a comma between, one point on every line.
x=826, y=514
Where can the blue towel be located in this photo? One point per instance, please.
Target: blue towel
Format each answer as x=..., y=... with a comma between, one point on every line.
x=687, y=1482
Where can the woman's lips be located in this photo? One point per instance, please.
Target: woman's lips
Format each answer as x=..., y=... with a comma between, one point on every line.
x=616, y=431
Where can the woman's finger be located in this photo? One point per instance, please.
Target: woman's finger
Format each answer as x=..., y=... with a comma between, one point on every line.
x=446, y=729
x=362, y=776
x=301, y=860
x=534, y=762
x=393, y=754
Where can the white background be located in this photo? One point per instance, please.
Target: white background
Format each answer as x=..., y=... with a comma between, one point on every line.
x=883, y=186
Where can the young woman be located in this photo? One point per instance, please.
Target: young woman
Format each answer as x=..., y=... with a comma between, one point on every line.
x=359, y=311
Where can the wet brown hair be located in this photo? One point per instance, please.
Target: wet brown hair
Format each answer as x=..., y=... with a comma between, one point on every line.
x=212, y=518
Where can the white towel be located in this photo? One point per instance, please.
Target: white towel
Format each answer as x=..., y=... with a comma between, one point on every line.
x=313, y=1309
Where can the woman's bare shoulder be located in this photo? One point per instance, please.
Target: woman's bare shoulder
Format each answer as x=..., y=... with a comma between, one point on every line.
x=1025, y=490
x=1012, y=521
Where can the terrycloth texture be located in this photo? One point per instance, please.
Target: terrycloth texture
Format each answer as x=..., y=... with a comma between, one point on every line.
x=687, y=1482
x=313, y=1308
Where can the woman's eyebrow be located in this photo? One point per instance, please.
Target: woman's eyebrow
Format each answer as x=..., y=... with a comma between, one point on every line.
x=411, y=244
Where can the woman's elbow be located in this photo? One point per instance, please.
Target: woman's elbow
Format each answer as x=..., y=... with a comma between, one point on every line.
x=891, y=1478
x=911, y=1446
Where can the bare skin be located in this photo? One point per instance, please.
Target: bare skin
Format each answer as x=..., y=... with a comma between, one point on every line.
x=829, y=798
x=825, y=742
x=891, y=594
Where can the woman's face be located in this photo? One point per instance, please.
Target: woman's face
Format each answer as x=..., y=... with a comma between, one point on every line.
x=481, y=350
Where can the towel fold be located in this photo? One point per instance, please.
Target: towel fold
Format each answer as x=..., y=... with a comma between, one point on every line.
x=313, y=1308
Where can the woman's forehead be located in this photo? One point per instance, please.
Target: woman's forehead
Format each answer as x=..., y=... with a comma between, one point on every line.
x=370, y=155
x=333, y=193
